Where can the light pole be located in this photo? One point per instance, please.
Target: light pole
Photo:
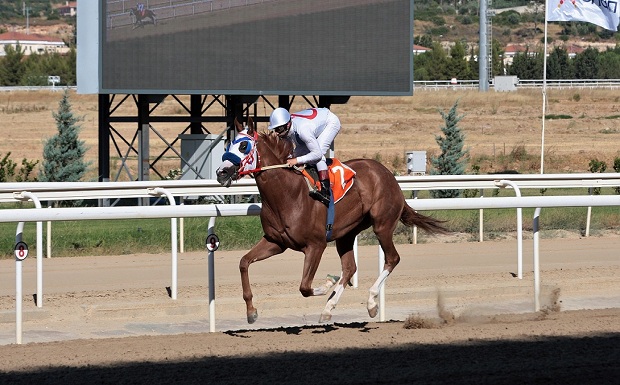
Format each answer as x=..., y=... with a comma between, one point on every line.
x=26, y=11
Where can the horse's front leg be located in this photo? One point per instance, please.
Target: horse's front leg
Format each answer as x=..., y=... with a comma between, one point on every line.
x=262, y=250
x=313, y=254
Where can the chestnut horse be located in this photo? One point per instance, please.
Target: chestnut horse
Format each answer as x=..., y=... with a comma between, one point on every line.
x=291, y=219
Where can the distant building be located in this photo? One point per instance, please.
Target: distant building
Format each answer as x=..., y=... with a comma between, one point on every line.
x=419, y=49
x=512, y=50
x=68, y=9
x=32, y=43
x=573, y=50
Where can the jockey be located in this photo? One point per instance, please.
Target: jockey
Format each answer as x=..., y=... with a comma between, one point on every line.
x=141, y=8
x=312, y=131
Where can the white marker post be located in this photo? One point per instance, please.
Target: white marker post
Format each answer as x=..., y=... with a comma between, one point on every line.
x=21, y=252
x=213, y=243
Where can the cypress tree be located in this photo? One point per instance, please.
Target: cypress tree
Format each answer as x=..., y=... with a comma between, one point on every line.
x=63, y=153
x=453, y=158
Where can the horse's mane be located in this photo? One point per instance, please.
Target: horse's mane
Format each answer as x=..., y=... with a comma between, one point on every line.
x=278, y=147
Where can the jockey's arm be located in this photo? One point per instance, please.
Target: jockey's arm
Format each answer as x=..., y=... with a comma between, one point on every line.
x=314, y=149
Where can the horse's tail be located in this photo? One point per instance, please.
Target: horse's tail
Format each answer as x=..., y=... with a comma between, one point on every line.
x=431, y=225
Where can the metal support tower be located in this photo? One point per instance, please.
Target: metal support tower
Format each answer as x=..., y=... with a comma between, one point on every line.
x=483, y=63
x=128, y=127
x=489, y=17
x=485, y=46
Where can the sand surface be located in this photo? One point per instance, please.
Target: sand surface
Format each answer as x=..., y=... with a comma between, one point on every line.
x=454, y=313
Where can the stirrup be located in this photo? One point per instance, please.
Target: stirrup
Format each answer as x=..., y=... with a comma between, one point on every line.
x=319, y=196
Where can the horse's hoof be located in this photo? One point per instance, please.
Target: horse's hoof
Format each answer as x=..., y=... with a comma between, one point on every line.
x=373, y=312
x=252, y=317
x=333, y=278
x=325, y=317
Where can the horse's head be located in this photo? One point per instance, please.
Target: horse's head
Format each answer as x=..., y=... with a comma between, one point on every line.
x=240, y=155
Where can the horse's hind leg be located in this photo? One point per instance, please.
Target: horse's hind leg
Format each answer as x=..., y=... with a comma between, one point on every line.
x=262, y=250
x=384, y=234
x=347, y=260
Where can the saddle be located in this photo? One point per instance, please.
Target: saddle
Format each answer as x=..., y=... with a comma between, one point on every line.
x=341, y=177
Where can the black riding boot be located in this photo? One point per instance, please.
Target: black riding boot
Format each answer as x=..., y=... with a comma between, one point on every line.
x=323, y=195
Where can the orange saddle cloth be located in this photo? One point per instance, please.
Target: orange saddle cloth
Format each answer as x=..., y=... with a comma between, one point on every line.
x=341, y=178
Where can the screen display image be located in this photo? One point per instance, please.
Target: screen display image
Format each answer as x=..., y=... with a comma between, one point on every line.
x=264, y=47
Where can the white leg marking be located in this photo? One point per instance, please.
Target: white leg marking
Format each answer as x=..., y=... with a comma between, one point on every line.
x=372, y=305
x=324, y=288
x=326, y=315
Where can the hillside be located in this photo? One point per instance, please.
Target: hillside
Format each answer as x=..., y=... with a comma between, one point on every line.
x=449, y=29
x=522, y=33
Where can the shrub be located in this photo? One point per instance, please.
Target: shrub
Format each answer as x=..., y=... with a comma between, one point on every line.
x=10, y=173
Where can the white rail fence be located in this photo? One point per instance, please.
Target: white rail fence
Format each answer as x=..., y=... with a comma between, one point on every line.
x=432, y=85
x=436, y=85
x=38, y=192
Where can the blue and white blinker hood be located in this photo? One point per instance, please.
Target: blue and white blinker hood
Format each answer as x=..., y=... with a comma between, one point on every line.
x=241, y=146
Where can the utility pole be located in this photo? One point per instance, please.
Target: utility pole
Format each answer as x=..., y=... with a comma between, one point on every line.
x=26, y=11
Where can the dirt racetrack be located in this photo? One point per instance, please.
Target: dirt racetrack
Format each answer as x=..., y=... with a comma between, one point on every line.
x=455, y=313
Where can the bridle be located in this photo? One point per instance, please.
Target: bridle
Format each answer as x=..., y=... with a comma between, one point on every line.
x=252, y=156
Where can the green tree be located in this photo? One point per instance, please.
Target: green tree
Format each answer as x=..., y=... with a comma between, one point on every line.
x=457, y=63
x=424, y=41
x=537, y=12
x=11, y=66
x=497, y=53
x=438, y=63
x=70, y=78
x=586, y=64
x=63, y=153
x=474, y=68
x=453, y=158
x=527, y=65
x=33, y=74
x=609, y=64
x=559, y=65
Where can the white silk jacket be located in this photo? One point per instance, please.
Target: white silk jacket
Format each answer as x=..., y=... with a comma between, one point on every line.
x=312, y=131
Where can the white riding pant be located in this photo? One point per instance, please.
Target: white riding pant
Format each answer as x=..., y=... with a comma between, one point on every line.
x=326, y=138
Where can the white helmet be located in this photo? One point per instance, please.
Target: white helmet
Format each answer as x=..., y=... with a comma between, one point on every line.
x=279, y=117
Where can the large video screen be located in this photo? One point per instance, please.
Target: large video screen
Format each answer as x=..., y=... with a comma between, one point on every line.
x=269, y=47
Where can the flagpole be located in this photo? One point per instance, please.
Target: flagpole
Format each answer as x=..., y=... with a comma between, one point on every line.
x=544, y=97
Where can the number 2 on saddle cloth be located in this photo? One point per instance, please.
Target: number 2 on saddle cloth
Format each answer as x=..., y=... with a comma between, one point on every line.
x=341, y=178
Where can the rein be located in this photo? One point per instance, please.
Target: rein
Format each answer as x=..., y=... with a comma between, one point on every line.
x=259, y=169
